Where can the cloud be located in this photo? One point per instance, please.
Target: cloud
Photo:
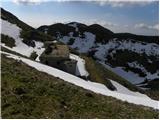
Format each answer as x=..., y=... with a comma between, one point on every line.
x=123, y=3
x=33, y=2
x=103, y=23
x=149, y=27
x=126, y=26
x=112, y=3
x=28, y=2
x=106, y=23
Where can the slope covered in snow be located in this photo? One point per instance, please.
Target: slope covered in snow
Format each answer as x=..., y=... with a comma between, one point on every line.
x=80, y=44
x=84, y=40
x=80, y=70
x=139, y=99
x=121, y=89
x=12, y=30
x=127, y=75
x=145, y=52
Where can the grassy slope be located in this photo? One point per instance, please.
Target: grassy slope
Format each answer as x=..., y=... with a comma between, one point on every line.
x=99, y=74
x=28, y=93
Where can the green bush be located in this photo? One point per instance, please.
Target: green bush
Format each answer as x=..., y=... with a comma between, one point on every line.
x=33, y=55
x=8, y=41
x=30, y=35
x=71, y=41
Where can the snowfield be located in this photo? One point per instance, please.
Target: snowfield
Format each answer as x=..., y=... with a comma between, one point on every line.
x=83, y=45
x=80, y=70
x=130, y=76
x=12, y=30
x=148, y=74
x=122, y=93
x=124, y=90
x=138, y=47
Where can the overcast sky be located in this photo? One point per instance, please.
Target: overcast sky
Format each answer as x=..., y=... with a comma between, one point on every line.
x=134, y=17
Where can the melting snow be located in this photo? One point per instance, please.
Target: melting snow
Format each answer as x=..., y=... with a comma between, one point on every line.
x=148, y=74
x=95, y=87
x=130, y=76
x=138, y=47
x=12, y=30
x=81, y=71
x=81, y=44
x=124, y=90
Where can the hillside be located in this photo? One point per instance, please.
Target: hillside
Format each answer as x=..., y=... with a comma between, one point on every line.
x=26, y=32
x=33, y=89
x=133, y=57
x=102, y=34
x=12, y=41
x=33, y=94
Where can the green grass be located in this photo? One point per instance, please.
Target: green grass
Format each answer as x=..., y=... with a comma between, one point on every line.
x=28, y=93
x=100, y=74
x=96, y=74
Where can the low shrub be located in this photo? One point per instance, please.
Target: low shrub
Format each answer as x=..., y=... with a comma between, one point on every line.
x=33, y=55
x=71, y=41
x=8, y=41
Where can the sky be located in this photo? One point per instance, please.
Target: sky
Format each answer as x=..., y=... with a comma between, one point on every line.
x=138, y=17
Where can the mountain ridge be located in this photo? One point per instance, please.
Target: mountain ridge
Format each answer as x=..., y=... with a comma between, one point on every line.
x=100, y=32
x=80, y=31
x=30, y=92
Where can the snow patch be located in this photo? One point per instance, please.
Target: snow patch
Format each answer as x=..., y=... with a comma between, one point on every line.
x=124, y=90
x=80, y=71
x=12, y=30
x=81, y=44
x=148, y=74
x=95, y=87
x=130, y=76
x=138, y=47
